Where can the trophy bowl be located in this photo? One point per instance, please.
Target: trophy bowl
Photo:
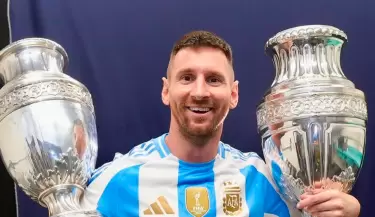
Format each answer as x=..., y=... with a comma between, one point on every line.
x=48, y=137
x=312, y=120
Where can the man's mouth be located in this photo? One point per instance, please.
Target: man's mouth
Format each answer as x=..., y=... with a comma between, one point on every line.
x=199, y=110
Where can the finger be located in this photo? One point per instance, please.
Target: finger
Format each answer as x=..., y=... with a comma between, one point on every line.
x=311, y=200
x=334, y=213
x=330, y=205
x=318, y=184
x=315, y=191
x=306, y=194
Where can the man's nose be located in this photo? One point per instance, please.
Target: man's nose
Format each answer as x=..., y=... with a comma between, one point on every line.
x=200, y=89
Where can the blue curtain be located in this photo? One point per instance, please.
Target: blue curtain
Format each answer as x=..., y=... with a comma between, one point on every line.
x=120, y=51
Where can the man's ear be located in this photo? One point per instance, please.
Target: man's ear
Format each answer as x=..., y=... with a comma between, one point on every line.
x=165, y=91
x=234, y=95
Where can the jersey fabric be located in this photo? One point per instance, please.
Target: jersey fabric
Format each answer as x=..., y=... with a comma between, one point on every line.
x=150, y=181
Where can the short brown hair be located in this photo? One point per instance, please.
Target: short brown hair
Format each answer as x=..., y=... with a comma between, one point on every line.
x=203, y=39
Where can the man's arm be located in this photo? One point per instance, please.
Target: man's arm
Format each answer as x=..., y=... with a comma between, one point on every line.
x=103, y=179
x=114, y=186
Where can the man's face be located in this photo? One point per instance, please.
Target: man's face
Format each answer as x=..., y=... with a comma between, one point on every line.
x=200, y=90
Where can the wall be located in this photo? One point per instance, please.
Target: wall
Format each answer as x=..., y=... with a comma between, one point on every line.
x=120, y=50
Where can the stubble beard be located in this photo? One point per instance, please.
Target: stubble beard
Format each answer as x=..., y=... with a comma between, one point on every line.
x=198, y=138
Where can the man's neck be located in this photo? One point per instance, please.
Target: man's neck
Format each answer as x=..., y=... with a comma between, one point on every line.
x=185, y=149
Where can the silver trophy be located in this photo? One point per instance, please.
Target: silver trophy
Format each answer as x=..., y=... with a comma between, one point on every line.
x=48, y=137
x=312, y=120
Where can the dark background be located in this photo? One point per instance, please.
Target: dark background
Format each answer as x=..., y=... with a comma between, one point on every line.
x=7, y=196
x=120, y=50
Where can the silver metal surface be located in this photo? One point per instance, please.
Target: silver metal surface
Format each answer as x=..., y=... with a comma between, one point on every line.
x=48, y=137
x=312, y=120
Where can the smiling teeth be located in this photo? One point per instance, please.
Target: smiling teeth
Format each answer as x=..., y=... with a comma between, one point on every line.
x=200, y=109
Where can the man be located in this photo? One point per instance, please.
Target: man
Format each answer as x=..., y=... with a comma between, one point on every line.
x=189, y=171
x=79, y=138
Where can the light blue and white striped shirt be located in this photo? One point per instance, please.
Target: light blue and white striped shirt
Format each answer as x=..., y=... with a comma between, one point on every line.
x=150, y=181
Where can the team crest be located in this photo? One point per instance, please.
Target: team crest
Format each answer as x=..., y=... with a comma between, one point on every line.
x=232, y=200
x=197, y=201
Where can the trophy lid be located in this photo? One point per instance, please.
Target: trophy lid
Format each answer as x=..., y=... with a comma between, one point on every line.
x=306, y=31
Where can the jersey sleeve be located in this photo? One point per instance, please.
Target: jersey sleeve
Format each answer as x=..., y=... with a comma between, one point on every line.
x=259, y=173
x=103, y=178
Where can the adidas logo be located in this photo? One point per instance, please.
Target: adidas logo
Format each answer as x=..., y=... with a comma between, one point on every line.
x=159, y=207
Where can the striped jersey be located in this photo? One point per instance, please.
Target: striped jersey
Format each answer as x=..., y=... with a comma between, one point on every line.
x=151, y=181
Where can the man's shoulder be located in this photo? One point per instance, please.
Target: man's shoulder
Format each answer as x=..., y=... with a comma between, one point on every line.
x=151, y=150
x=244, y=161
x=154, y=148
x=123, y=165
x=240, y=157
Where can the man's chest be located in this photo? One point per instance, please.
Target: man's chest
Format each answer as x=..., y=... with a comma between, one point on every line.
x=195, y=195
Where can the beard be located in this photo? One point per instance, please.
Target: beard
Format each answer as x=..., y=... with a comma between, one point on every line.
x=199, y=130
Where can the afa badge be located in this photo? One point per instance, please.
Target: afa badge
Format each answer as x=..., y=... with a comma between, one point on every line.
x=232, y=200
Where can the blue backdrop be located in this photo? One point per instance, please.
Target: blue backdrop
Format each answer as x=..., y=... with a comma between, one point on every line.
x=120, y=51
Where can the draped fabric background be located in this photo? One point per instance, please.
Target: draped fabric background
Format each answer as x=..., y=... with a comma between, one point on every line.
x=7, y=198
x=120, y=50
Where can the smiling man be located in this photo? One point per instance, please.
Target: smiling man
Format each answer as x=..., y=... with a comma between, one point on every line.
x=189, y=171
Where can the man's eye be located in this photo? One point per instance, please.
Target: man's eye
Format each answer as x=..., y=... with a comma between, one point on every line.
x=214, y=80
x=186, y=78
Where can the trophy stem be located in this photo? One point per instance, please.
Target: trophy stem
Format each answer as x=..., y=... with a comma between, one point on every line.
x=61, y=198
x=63, y=201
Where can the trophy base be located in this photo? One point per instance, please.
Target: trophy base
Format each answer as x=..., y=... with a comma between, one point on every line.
x=80, y=213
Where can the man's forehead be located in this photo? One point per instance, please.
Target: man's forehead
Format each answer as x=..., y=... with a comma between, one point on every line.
x=205, y=57
x=191, y=52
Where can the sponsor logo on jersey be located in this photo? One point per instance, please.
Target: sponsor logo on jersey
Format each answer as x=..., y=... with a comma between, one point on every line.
x=159, y=207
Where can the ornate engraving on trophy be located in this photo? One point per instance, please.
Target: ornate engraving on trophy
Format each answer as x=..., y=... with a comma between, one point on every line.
x=50, y=90
x=311, y=104
x=312, y=120
x=48, y=137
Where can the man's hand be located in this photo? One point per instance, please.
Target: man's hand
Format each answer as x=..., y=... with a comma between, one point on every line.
x=330, y=203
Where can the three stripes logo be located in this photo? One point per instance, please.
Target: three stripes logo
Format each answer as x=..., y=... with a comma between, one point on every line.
x=159, y=207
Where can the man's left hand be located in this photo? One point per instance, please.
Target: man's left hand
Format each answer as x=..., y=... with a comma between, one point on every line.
x=330, y=203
